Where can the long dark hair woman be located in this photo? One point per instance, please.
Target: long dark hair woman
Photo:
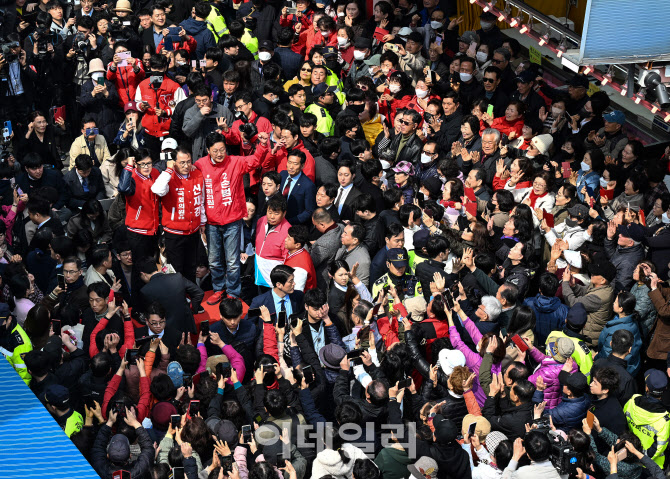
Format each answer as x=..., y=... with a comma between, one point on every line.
x=43, y=139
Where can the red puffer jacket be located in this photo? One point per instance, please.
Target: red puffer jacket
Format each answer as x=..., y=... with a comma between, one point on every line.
x=126, y=79
x=164, y=97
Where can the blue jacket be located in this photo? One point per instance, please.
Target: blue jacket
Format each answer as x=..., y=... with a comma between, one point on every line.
x=119, y=141
x=202, y=35
x=605, y=341
x=550, y=314
x=301, y=203
x=569, y=412
x=590, y=179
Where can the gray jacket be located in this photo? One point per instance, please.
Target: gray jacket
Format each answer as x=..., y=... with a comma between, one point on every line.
x=323, y=251
x=358, y=255
x=197, y=127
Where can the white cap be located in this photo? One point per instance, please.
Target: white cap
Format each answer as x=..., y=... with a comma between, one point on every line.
x=169, y=144
x=448, y=359
x=404, y=31
x=574, y=258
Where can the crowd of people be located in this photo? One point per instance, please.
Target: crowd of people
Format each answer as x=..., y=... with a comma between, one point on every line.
x=341, y=240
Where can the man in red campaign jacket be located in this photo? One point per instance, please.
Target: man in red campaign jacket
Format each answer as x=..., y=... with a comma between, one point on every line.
x=141, y=211
x=183, y=211
x=225, y=206
x=290, y=140
x=157, y=96
x=245, y=114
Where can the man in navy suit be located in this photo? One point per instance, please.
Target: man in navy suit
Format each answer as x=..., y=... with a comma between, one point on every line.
x=241, y=335
x=298, y=189
x=289, y=60
x=282, y=297
x=84, y=182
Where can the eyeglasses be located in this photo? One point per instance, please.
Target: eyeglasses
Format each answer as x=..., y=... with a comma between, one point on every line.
x=157, y=323
x=488, y=80
x=539, y=185
x=217, y=151
x=145, y=165
x=71, y=272
x=405, y=122
x=127, y=254
x=305, y=69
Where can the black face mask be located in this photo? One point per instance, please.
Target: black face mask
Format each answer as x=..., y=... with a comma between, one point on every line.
x=490, y=206
x=358, y=109
x=571, y=223
x=583, y=114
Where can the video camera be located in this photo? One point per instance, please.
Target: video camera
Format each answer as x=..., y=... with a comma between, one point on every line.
x=117, y=31
x=563, y=456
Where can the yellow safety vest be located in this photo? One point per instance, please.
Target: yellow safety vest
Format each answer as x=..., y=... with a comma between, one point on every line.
x=23, y=346
x=582, y=354
x=324, y=122
x=250, y=42
x=652, y=428
x=216, y=23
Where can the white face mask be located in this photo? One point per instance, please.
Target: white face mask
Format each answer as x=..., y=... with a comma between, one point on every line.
x=264, y=56
x=436, y=25
x=556, y=112
x=465, y=77
x=586, y=168
x=394, y=88
x=341, y=41
x=486, y=25
x=603, y=183
x=421, y=93
x=96, y=75
x=482, y=57
x=385, y=71
x=359, y=55
x=181, y=64
x=425, y=159
x=665, y=219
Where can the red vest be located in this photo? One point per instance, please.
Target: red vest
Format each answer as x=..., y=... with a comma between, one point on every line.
x=142, y=207
x=183, y=204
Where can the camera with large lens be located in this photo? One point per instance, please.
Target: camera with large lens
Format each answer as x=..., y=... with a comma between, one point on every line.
x=249, y=130
x=563, y=456
x=80, y=43
x=117, y=31
x=6, y=50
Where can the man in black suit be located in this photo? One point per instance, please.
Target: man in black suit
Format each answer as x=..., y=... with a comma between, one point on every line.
x=170, y=291
x=154, y=35
x=39, y=213
x=83, y=182
x=36, y=176
x=347, y=192
x=282, y=296
x=298, y=189
x=270, y=183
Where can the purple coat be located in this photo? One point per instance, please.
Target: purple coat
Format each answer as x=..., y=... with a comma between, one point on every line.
x=472, y=358
x=549, y=369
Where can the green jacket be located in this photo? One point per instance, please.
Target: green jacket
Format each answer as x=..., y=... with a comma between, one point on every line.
x=650, y=422
x=392, y=463
x=20, y=344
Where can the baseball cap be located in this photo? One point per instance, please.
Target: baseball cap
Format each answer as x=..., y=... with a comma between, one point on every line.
x=397, y=256
x=329, y=51
x=615, y=116
x=445, y=429
x=577, y=315
x=469, y=37
x=5, y=311
x=488, y=17
x=373, y=61
x=525, y=76
x=57, y=395
x=493, y=439
x=404, y=167
x=424, y=467
x=404, y=32
x=579, y=81
x=575, y=381
x=118, y=449
x=633, y=231
x=227, y=432
x=265, y=45
x=603, y=268
x=169, y=144
x=655, y=380
x=579, y=211
x=321, y=89
x=448, y=359
x=421, y=238
x=362, y=43
x=561, y=349
x=130, y=106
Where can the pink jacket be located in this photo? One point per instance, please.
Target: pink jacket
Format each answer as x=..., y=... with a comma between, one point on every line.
x=549, y=369
x=472, y=358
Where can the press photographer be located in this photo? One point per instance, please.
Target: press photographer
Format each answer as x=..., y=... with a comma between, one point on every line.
x=17, y=81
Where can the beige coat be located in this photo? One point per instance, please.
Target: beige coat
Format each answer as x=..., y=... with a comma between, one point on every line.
x=79, y=147
x=109, y=177
x=597, y=302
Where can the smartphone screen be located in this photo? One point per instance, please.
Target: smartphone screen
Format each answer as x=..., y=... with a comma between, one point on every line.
x=118, y=298
x=55, y=324
x=246, y=433
x=131, y=356
x=438, y=40
x=204, y=328
x=281, y=319
x=281, y=462
x=589, y=419
x=188, y=380
x=308, y=373
x=178, y=473
x=489, y=111
x=61, y=281
x=193, y=408
x=449, y=298
x=472, y=428
x=223, y=370
x=254, y=312
x=120, y=408
x=356, y=353
x=405, y=383
x=175, y=420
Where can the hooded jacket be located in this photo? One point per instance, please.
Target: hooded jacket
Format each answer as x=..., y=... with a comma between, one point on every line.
x=550, y=314
x=625, y=260
x=549, y=369
x=329, y=462
x=605, y=341
x=198, y=30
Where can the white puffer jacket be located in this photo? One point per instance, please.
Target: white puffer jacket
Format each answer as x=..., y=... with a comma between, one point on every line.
x=329, y=462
